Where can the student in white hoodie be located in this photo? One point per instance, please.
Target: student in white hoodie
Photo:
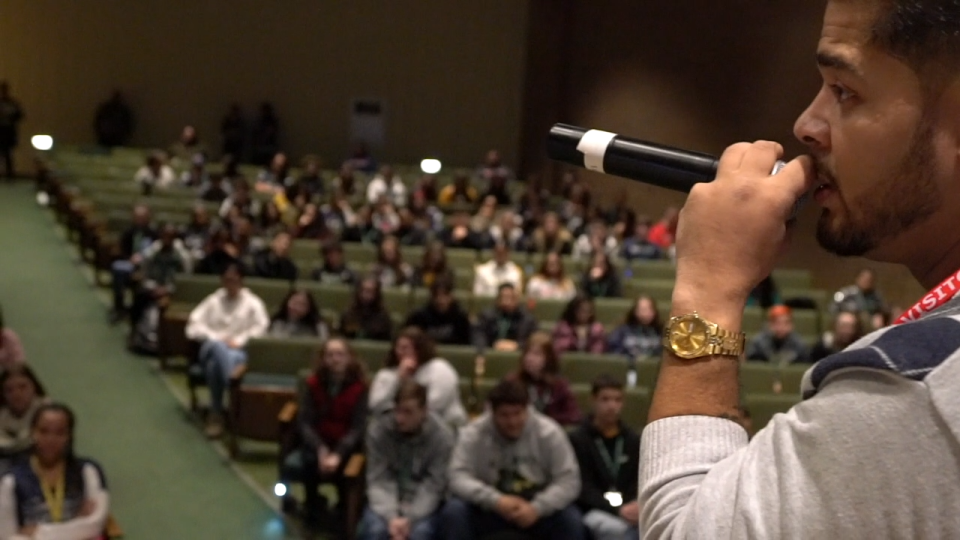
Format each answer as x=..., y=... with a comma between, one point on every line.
x=223, y=322
x=413, y=356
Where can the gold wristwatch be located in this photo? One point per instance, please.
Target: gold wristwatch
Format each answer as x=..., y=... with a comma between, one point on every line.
x=691, y=336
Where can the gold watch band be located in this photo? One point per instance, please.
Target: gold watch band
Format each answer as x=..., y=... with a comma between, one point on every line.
x=725, y=343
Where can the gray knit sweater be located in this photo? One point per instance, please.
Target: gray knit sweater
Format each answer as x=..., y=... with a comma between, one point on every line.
x=871, y=453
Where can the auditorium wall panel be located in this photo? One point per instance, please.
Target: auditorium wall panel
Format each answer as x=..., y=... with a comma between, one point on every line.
x=450, y=73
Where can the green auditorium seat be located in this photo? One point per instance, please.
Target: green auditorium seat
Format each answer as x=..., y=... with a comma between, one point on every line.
x=649, y=270
x=585, y=367
x=659, y=290
x=397, y=300
x=763, y=407
x=461, y=357
x=372, y=353
x=636, y=404
x=462, y=258
x=498, y=364
x=548, y=311
x=356, y=254
x=647, y=371
x=305, y=250
x=332, y=300
x=611, y=312
x=792, y=278
x=271, y=291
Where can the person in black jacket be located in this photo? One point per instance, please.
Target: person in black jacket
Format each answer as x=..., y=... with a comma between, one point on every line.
x=334, y=269
x=600, y=279
x=442, y=318
x=608, y=452
x=274, y=262
x=133, y=241
x=506, y=326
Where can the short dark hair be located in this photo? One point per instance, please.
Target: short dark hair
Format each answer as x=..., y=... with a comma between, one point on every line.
x=605, y=381
x=232, y=267
x=508, y=392
x=442, y=284
x=20, y=370
x=411, y=389
x=331, y=246
x=922, y=33
x=504, y=286
x=423, y=346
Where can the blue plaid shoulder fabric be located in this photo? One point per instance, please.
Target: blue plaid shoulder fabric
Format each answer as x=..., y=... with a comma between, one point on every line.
x=913, y=350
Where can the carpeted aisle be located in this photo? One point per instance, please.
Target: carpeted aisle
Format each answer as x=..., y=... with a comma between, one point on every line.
x=166, y=481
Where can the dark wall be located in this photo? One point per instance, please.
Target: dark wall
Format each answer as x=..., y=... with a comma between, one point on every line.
x=692, y=73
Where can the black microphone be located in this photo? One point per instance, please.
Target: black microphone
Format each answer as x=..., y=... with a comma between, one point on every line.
x=650, y=163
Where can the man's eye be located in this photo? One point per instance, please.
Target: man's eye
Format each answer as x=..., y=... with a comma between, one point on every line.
x=840, y=92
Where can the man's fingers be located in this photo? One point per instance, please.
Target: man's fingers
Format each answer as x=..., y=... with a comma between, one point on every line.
x=732, y=157
x=799, y=176
x=761, y=157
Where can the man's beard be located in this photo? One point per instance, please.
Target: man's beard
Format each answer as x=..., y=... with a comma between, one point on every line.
x=898, y=202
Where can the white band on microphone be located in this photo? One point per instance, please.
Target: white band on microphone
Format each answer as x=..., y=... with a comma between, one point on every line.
x=594, y=145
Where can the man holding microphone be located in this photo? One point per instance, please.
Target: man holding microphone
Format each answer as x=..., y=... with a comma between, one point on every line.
x=873, y=450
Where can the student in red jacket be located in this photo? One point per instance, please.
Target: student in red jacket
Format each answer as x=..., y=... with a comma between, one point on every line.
x=331, y=420
x=540, y=372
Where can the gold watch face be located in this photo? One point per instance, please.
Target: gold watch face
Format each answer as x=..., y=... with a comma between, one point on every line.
x=688, y=336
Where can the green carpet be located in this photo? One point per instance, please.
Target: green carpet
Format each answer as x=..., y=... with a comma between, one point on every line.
x=166, y=481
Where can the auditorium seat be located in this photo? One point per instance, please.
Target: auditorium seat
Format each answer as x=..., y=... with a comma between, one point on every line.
x=585, y=367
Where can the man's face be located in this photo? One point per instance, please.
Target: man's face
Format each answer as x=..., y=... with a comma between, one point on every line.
x=607, y=405
x=442, y=301
x=510, y=420
x=334, y=258
x=409, y=415
x=141, y=216
x=507, y=300
x=881, y=164
x=865, y=281
x=781, y=326
x=281, y=245
x=232, y=282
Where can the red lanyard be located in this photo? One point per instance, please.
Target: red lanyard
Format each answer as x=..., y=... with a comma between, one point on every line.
x=937, y=297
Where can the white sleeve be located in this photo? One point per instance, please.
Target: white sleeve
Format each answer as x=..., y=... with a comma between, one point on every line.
x=259, y=323
x=8, y=509
x=85, y=527
x=197, y=327
x=382, y=390
x=443, y=387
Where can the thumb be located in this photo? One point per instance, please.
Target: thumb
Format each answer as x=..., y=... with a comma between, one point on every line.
x=798, y=176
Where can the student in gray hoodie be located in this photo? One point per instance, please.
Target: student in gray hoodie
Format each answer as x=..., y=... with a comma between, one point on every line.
x=408, y=451
x=513, y=470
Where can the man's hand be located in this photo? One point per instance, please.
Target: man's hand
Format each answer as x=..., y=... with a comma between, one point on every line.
x=330, y=463
x=233, y=343
x=507, y=506
x=407, y=367
x=732, y=230
x=526, y=515
x=399, y=528
x=506, y=345
x=631, y=512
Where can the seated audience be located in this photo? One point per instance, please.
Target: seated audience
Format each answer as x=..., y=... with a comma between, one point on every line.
x=600, y=280
x=276, y=177
x=337, y=214
x=507, y=229
x=459, y=234
x=608, y=452
x=847, y=328
x=640, y=335
x=498, y=190
x=549, y=391
x=27, y=506
x=412, y=231
x=155, y=173
x=331, y=418
x=552, y=236
x=196, y=234
x=298, y=316
x=11, y=350
x=881, y=319
x=551, y=283
x=360, y=159
x=458, y=193
x=197, y=174
x=427, y=214
x=506, y=325
x=348, y=184
x=187, y=146
x=274, y=262
x=311, y=181
x=312, y=224
x=778, y=343
x=638, y=246
x=366, y=318
x=426, y=187
x=390, y=268
x=385, y=218
x=221, y=252
x=413, y=357
x=223, y=323
x=163, y=260
x=489, y=276
x=240, y=201
x=133, y=241
x=389, y=185
x=861, y=297
x=432, y=267
x=578, y=329
x=662, y=233
x=481, y=222
x=334, y=269
x=408, y=453
x=513, y=470
x=270, y=221
x=442, y=318
x=21, y=395
x=493, y=167
x=596, y=239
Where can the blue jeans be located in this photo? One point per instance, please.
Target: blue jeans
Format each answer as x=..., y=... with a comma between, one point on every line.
x=120, y=272
x=465, y=521
x=219, y=361
x=375, y=527
x=606, y=526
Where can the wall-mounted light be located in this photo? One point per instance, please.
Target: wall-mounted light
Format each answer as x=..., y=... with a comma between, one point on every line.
x=430, y=166
x=42, y=142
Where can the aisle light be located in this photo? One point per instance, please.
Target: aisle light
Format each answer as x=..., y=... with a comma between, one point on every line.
x=42, y=142
x=430, y=166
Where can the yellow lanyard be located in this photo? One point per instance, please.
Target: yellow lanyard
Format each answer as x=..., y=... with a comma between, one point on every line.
x=54, y=495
